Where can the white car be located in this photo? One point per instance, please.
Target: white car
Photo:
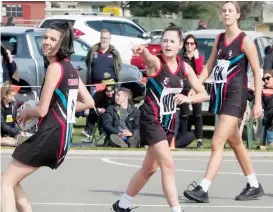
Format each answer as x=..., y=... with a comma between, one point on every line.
x=125, y=33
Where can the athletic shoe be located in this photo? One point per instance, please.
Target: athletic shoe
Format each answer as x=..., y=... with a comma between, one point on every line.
x=116, y=208
x=85, y=132
x=200, y=144
x=250, y=193
x=197, y=194
x=118, y=141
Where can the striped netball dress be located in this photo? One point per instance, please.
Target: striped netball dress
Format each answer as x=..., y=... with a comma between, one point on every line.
x=49, y=145
x=229, y=77
x=157, y=117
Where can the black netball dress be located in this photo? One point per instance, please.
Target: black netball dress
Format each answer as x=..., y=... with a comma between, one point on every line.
x=49, y=145
x=229, y=77
x=157, y=117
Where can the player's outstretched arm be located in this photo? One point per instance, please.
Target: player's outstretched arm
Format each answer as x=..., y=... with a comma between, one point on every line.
x=152, y=62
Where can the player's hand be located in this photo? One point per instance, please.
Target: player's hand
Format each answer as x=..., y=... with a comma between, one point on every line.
x=180, y=99
x=257, y=111
x=191, y=93
x=127, y=133
x=138, y=49
x=21, y=116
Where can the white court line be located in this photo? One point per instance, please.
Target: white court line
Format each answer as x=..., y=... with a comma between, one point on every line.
x=183, y=206
x=107, y=160
x=176, y=159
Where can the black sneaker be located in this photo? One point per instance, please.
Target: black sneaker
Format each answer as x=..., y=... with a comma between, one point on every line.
x=200, y=144
x=116, y=208
x=197, y=194
x=250, y=193
x=118, y=141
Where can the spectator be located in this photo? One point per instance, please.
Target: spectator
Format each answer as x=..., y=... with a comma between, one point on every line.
x=10, y=72
x=102, y=58
x=191, y=56
x=202, y=25
x=9, y=128
x=10, y=21
x=268, y=62
x=102, y=100
x=267, y=99
x=121, y=121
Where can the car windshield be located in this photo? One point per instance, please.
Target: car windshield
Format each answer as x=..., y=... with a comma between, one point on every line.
x=156, y=41
x=205, y=46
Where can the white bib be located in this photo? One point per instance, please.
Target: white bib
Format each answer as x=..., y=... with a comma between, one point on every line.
x=167, y=104
x=71, y=105
x=220, y=72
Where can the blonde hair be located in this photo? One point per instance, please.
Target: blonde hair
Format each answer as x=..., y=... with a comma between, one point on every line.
x=6, y=89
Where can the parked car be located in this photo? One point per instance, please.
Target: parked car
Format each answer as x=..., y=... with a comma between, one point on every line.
x=25, y=44
x=154, y=47
x=125, y=33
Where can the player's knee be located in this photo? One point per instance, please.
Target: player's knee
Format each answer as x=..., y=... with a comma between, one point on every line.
x=167, y=167
x=234, y=142
x=217, y=144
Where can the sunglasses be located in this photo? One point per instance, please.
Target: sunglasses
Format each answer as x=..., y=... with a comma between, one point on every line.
x=190, y=43
x=266, y=78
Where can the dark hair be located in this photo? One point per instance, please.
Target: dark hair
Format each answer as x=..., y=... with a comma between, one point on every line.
x=66, y=41
x=4, y=54
x=175, y=29
x=128, y=92
x=235, y=3
x=268, y=71
x=267, y=50
x=187, y=38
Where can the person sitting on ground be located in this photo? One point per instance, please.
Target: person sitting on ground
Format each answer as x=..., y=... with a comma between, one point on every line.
x=9, y=128
x=121, y=121
x=267, y=100
x=102, y=99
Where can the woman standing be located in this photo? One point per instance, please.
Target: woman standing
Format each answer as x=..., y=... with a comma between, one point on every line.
x=233, y=50
x=191, y=56
x=62, y=93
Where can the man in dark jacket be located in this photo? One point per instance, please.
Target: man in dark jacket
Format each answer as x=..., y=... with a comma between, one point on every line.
x=102, y=58
x=121, y=121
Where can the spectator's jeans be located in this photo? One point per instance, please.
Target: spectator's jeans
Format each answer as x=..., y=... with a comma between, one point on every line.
x=185, y=125
x=269, y=136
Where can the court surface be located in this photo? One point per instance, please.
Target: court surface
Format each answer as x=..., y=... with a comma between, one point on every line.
x=90, y=181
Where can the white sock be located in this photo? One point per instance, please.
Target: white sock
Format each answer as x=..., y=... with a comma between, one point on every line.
x=125, y=201
x=252, y=179
x=205, y=184
x=176, y=209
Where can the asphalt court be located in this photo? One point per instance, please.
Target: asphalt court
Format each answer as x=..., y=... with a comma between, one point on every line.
x=91, y=181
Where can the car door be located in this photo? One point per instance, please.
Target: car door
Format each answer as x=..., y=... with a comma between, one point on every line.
x=78, y=57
